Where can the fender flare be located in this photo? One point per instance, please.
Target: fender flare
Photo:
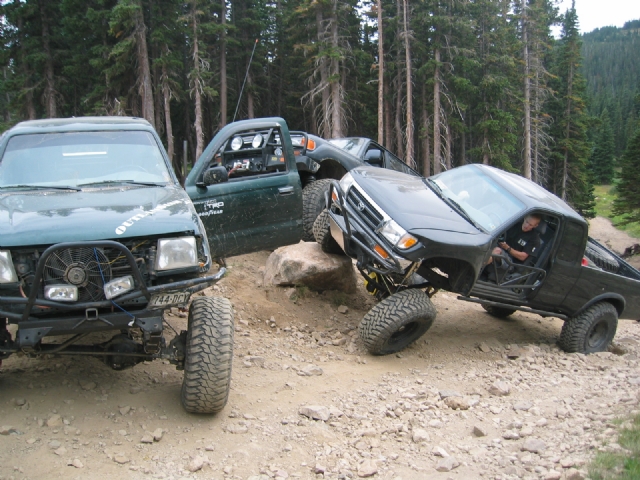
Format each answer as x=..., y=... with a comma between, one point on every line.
x=615, y=299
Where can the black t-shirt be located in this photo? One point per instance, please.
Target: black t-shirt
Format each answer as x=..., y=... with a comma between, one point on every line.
x=528, y=242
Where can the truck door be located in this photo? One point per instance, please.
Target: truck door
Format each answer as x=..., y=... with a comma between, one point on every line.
x=260, y=206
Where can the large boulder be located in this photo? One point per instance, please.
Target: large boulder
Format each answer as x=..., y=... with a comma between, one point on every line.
x=306, y=264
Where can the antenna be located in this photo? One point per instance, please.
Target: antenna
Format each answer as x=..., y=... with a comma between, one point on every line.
x=245, y=80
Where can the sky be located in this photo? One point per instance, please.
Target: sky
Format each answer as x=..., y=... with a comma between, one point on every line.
x=594, y=14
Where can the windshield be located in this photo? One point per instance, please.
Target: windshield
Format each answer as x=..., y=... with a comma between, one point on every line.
x=484, y=201
x=351, y=145
x=79, y=158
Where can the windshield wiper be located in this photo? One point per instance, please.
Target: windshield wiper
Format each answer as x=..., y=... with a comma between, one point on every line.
x=462, y=212
x=120, y=182
x=42, y=187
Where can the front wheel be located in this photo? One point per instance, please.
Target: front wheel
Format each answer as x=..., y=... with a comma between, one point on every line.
x=397, y=321
x=313, y=202
x=591, y=331
x=322, y=234
x=208, y=357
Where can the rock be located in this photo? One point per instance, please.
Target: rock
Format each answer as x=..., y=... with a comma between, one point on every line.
x=121, y=458
x=306, y=264
x=315, y=412
x=157, y=434
x=319, y=468
x=444, y=394
x=75, y=463
x=439, y=452
x=256, y=360
x=53, y=444
x=147, y=438
x=420, y=435
x=236, y=428
x=196, y=464
x=125, y=410
x=500, y=389
x=134, y=390
x=447, y=464
x=567, y=463
x=552, y=475
x=511, y=435
x=19, y=402
x=523, y=406
x=457, y=403
x=483, y=348
x=87, y=385
x=343, y=309
x=574, y=474
x=368, y=468
x=480, y=431
x=60, y=451
x=7, y=430
x=534, y=445
x=310, y=370
x=54, y=421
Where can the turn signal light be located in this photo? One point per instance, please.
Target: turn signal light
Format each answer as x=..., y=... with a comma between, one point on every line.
x=334, y=195
x=407, y=241
x=311, y=145
x=380, y=251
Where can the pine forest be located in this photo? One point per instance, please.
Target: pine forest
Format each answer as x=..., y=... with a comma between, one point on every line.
x=509, y=83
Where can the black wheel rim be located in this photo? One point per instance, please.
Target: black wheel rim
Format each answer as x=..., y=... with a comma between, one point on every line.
x=597, y=335
x=406, y=331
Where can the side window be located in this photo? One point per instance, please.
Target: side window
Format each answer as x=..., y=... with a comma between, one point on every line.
x=251, y=153
x=572, y=243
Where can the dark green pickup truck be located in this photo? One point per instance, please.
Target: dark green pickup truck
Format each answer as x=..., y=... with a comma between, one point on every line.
x=97, y=236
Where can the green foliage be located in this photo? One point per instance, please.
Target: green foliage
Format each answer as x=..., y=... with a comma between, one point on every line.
x=602, y=159
x=620, y=466
x=628, y=202
x=605, y=196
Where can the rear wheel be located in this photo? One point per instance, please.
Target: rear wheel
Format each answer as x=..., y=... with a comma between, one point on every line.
x=591, y=331
x=397, y=321
x=498, y=312
x=313, y=202
x=209, y=354
x=322, y=234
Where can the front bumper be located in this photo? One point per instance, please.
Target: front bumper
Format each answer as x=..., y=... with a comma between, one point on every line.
x=38, y=317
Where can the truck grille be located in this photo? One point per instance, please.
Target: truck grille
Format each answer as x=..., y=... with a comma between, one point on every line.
x=368, y=213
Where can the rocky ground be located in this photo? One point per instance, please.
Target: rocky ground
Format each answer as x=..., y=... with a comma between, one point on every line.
x=476, y=397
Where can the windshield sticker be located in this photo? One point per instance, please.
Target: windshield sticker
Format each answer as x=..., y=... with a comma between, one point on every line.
x=211, y=207
x=128, y=223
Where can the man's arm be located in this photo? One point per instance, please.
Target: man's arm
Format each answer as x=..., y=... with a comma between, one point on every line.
x=520, y=256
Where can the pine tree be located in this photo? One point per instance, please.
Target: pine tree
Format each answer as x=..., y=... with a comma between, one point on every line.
x=602, y=159
x=628, y=201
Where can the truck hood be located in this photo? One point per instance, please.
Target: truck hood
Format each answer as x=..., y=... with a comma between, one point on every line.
x=47, y=217
x=408, y=201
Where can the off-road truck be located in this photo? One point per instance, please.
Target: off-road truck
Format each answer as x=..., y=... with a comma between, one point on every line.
x=98, y=240
x=412, y=236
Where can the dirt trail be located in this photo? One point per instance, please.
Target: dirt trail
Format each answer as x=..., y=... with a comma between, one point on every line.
x=536, y=411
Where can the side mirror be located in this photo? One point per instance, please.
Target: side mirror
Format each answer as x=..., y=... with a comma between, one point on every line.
x=215, y=175
x=374, y=157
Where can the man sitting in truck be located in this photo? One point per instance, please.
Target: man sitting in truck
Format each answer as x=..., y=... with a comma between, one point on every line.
x=521, y=242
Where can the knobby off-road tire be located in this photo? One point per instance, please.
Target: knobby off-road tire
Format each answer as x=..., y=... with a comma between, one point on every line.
x=591, y=331
x=313, y=202
x=397, y=321
x=322, y=234
x=498, y=312
x=601, y=258
x=209, y=354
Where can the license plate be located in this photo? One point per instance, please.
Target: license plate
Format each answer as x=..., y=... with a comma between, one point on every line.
x=172, y=298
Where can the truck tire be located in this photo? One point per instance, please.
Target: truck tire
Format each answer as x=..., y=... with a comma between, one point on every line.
x=601, y=258
x=208, y=357
x=498, y=312
x=313, y=202
x=322, y=234
x=397, y=321
x=591, y=331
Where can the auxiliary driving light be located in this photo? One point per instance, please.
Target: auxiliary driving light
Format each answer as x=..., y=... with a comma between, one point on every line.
x=61, y=293
x=118, y=286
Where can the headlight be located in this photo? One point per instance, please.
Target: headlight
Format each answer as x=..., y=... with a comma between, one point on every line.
x=257, y=141
x=7, y=272
x=346, y=182
x=397, y=235
x=176, y=253
x=236, y=143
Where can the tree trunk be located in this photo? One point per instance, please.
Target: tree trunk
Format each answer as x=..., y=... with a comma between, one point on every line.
x=380, y=76
x=409, y=127
x=426, y=147
x=166, y=96
x=388, y=132
x=526, y=167
x=565, y=163
x=336, y=100
x=144, y=72
x=196, y=87
x=24, y=68
x=223, y=65
x=436, y=114
x=324, y=129
x=49, y=82
x=250, y=102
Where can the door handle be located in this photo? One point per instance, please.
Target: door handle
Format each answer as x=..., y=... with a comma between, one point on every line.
x=285, y=190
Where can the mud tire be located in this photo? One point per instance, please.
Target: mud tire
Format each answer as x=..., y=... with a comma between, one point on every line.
x=209, y=355
x=498, y=312
x=397, y=321
x=313, y=202
x=601, y=258
x=591, y=331
x=322, y=234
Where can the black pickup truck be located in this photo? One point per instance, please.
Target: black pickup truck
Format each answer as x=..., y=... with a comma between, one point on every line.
x=412, y=236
